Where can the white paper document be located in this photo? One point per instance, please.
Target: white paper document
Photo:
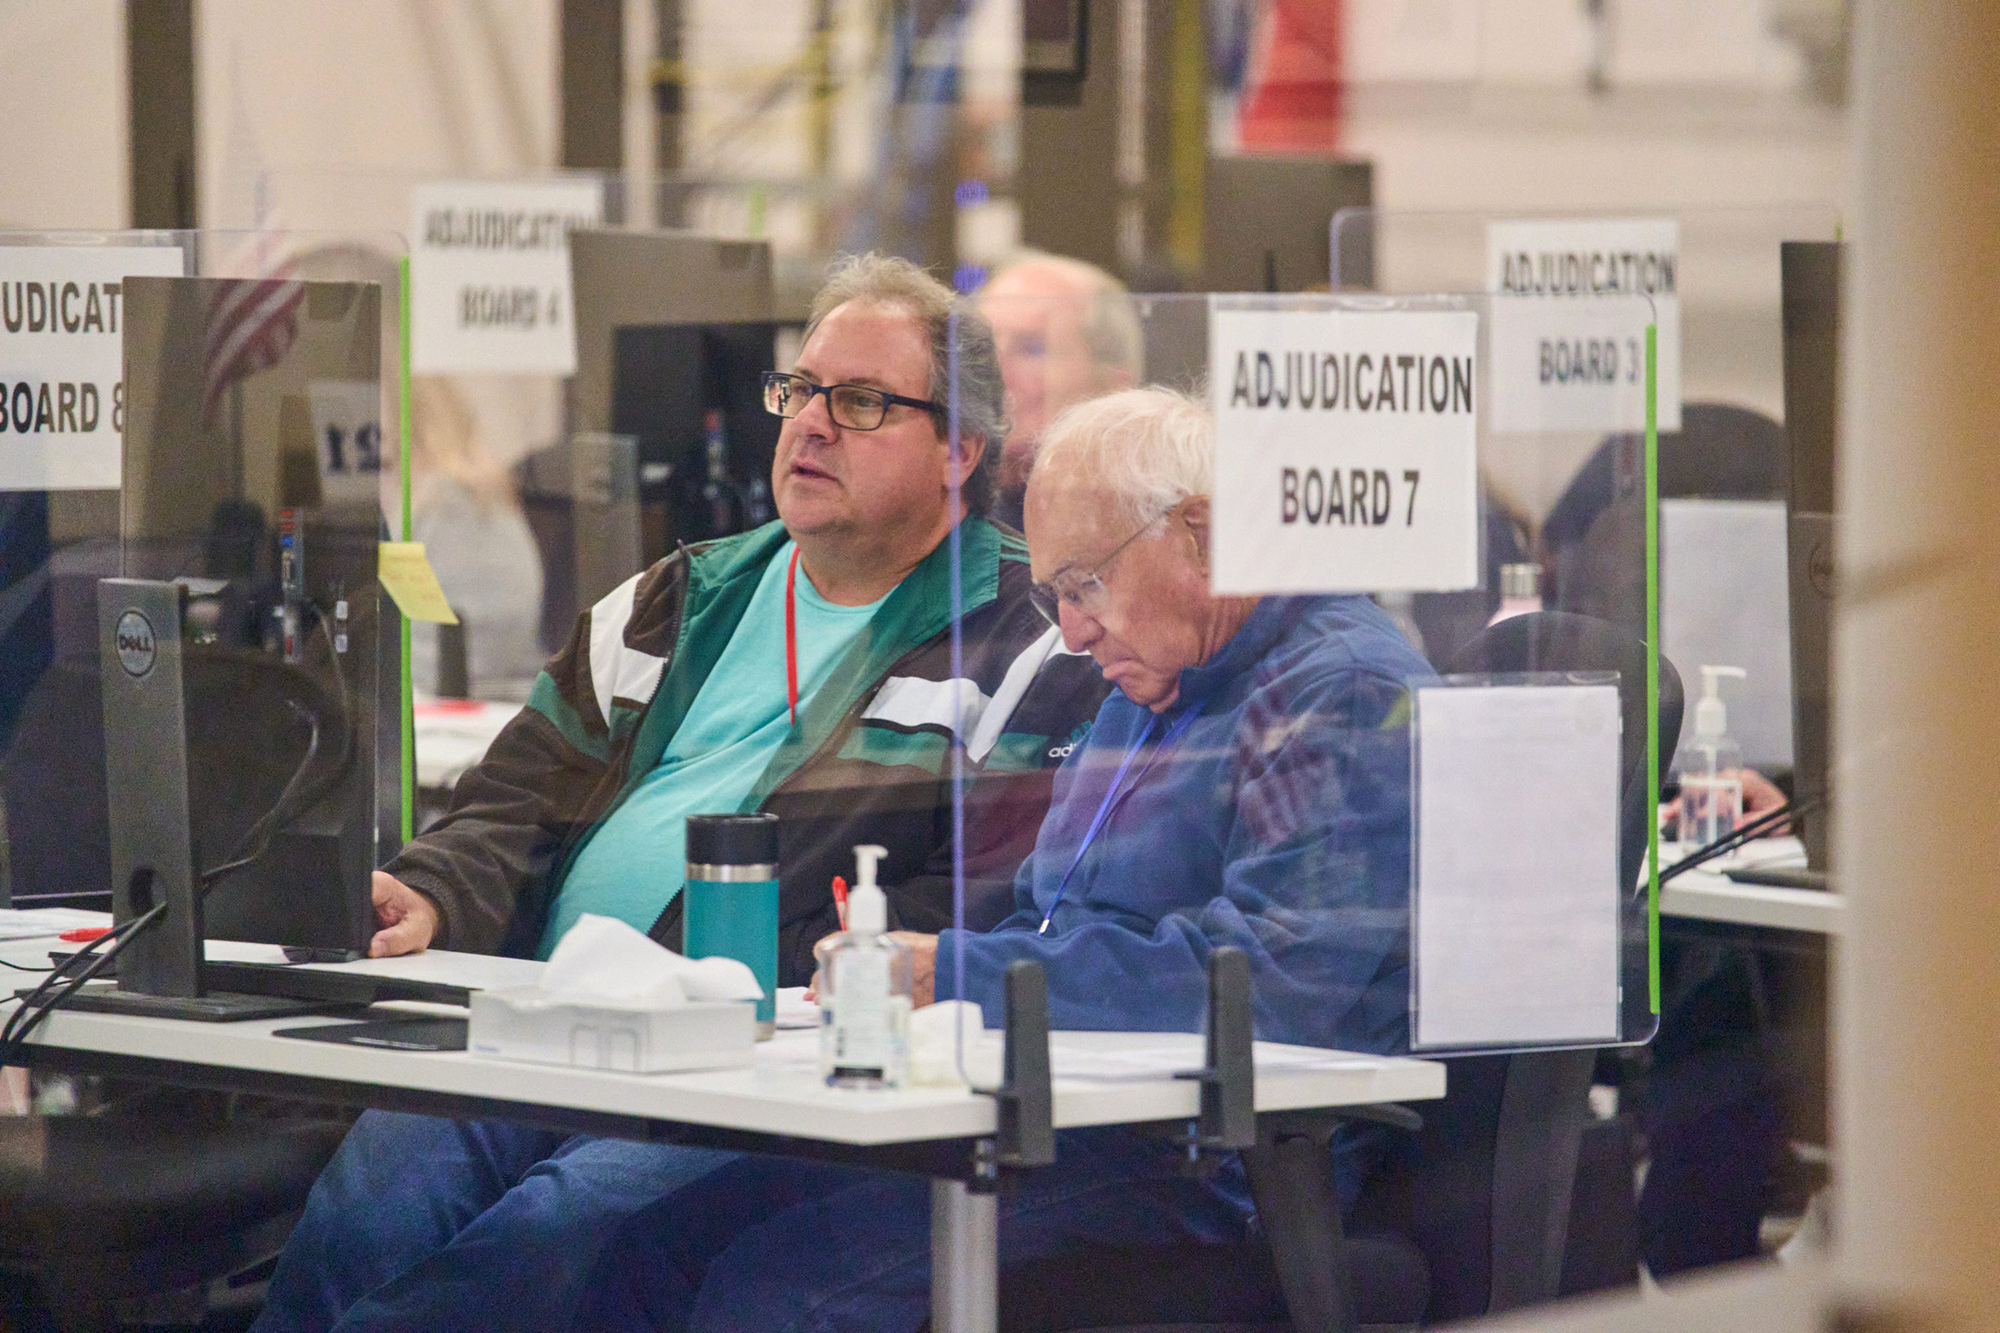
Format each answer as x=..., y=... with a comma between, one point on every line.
x=1725, y=601
x=1517, y=896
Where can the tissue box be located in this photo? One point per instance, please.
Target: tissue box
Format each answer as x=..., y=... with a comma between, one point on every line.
x=527, y=1023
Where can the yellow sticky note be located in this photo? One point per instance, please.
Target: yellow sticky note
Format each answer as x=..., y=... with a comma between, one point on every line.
x=406, y=572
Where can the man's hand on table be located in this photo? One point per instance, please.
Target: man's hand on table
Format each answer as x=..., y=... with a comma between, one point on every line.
x=409, y=920
x=923, y=966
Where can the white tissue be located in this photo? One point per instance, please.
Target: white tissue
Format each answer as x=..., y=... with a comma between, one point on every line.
x=934, y=1047
x=602, y=958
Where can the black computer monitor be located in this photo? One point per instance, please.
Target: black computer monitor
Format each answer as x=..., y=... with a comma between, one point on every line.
x=255, y=486
x=1811, y=294
x=670, y=383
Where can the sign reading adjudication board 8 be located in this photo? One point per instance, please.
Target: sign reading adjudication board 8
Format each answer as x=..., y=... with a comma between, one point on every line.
x=1346, y=455
x=62, y=361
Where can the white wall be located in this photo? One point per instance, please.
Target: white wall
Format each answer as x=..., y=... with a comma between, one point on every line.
x=62, y=100
x=340, y=100
x=321, y=116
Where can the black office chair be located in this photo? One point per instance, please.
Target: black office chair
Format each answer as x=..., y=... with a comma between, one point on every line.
x=1710, y=1079
x=1470, y=1213
x=151, y=1200
x=161, y=1192
x=1593, y=536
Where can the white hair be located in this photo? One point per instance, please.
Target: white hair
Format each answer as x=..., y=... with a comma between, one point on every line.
x=1110, y=319
x=1151, y=448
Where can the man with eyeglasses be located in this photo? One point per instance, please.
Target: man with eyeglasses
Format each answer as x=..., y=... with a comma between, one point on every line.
x=1247, y=784
x=803, y=669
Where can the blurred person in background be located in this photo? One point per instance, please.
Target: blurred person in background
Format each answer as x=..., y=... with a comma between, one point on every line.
x=464, y=510
x=1066, y=331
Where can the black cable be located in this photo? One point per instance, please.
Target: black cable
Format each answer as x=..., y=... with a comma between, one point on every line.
x=57, y=973
x=21, y=968
x=1768, y=822
x=36, y=1006
x=30, y=1015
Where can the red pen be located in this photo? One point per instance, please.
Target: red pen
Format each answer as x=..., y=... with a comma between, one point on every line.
x=840, y=899
x=84, y=934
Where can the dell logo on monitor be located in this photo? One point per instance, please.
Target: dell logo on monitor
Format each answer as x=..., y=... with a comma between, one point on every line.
x=134, y=637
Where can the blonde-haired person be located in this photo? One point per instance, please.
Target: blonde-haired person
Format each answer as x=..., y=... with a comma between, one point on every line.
x=464, y=509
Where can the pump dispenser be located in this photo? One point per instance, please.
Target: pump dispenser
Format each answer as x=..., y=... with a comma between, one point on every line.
x=1711, y=766
x=865, y=990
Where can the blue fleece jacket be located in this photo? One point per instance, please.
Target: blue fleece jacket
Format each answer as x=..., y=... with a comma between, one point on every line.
x=1277, y=822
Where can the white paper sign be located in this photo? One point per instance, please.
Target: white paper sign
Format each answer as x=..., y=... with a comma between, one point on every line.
x=62, y=361
x=489, y=275
x=1517, y=897
x=1725, y=600
x=1569, y=310
x=347, y=437
x=1346, y=450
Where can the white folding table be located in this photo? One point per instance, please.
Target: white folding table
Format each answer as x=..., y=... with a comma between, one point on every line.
x=778, y=1105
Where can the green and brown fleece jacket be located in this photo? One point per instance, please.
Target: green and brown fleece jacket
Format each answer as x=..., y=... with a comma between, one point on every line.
x=869, y=760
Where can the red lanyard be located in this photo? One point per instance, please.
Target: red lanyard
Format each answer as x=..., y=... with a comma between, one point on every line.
x=792, y=637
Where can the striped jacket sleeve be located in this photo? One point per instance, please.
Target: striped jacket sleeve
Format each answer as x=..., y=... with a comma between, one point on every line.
x=544, y=778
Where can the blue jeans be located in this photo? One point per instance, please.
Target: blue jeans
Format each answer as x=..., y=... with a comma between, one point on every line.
x=426, y=1224
x=769, y=1244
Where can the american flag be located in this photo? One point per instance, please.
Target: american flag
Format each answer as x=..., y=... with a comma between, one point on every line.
x=252, y=322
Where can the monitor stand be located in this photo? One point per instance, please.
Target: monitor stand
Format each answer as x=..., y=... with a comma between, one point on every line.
x=160, y=970
x=104, y=997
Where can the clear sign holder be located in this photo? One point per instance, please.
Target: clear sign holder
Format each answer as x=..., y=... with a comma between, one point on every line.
x=1299, y=816
x=243, y=398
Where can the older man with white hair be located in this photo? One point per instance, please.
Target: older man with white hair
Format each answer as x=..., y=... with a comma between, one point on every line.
x=1248, y=785
x=1065, y=331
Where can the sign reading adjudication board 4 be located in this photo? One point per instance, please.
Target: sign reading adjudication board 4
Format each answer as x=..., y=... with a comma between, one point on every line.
x=1346, y=450
x=1568, y=335
x=62, y=361
x=489, y=275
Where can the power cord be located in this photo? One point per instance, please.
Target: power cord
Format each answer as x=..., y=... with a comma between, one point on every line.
x=1768, y=822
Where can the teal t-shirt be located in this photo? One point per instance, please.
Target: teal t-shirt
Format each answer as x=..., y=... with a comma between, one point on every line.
x=636, y=862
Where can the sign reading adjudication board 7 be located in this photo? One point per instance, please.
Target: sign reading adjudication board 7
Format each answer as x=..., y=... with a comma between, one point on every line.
x=1346, y=454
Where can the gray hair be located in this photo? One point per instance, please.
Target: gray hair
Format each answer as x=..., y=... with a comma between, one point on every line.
x=1110, y=321
x=955, y=330
x=1151, y=448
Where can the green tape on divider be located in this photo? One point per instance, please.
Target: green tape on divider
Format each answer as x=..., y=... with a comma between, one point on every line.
x=409, y=716
x=1653, y=665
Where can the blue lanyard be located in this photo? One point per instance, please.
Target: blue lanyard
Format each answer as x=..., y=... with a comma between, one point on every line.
x=1117, y=792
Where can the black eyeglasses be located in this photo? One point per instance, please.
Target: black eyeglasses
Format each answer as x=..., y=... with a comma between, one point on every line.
x=851, y=405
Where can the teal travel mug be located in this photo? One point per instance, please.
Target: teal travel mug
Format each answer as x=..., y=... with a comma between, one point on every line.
x=732, y=899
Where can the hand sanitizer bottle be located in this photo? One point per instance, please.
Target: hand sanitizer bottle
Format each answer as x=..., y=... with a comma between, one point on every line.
x=1711, y=764
x=864, y=991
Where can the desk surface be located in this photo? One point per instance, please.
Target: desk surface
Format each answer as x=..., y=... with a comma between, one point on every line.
x=1706, y=894
x=1100, y=1077
x=452, y=736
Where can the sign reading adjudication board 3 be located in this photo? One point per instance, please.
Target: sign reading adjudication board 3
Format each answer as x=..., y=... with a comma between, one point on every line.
x=1346, y=450
x=1570, y=305
x=62, y=361
x=489, y=275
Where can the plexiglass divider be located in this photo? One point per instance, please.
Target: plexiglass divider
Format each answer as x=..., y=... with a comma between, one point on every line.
x=1303, y=686
x=218, y=420
x=493, y=356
